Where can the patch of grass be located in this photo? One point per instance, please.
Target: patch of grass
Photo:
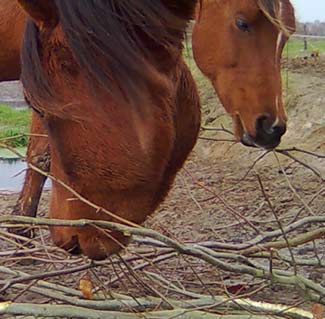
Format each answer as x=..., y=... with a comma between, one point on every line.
x=295, y=47
x=13, y=123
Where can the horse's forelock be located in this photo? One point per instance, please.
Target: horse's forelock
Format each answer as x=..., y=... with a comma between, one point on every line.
x=122, y=45
x=118, y=40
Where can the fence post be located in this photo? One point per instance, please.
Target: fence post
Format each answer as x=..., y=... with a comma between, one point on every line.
x=305, y=38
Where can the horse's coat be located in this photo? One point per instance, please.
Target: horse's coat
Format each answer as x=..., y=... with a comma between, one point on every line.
x=122, y=112
x=12, y=22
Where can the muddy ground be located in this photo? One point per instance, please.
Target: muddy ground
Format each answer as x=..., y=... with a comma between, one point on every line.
x=218, y=180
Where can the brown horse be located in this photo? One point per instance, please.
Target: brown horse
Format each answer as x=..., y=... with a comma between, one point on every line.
x=121, y=110
x=248, y=28
x=238, y=46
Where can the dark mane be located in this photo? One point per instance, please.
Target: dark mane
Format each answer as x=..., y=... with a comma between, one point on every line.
x=117, y=43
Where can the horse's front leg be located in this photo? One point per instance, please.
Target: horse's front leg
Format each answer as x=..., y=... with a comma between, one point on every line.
x=38, y=154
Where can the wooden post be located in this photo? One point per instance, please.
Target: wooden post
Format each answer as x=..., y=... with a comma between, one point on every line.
x=305, y=38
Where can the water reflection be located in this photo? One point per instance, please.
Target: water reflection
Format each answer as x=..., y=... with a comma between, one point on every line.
x=12, y=172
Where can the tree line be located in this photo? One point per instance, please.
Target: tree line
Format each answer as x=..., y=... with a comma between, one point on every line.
x=311, y=28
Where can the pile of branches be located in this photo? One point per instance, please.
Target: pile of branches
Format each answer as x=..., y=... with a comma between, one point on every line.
x=238, y=259
x=158, y=276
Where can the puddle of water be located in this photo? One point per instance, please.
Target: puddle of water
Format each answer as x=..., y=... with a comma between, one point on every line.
x=12, y=172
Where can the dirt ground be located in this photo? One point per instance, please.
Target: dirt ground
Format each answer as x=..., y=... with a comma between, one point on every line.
x=219, y=179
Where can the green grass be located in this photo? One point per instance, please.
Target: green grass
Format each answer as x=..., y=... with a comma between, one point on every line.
x=13, y=123
x=295, y=47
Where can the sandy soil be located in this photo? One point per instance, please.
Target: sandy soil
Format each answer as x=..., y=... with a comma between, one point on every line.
x=218, y=179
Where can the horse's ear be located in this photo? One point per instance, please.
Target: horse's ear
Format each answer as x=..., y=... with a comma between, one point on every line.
x=43, y=12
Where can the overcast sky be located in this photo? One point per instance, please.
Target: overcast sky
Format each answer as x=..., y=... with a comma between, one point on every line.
x=310, y=10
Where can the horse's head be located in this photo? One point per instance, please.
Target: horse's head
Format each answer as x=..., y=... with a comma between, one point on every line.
x=238, y=46
x=102, y=76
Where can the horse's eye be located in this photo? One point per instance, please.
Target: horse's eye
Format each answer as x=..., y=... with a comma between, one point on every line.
x=242, y=25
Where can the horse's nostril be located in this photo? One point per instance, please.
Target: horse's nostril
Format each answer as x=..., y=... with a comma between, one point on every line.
x=74, y=248
x=268, y=131
x=266, y=126
x=279, y=128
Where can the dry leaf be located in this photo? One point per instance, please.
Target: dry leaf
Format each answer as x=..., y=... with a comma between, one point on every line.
x=317, y=311
x=86, y=287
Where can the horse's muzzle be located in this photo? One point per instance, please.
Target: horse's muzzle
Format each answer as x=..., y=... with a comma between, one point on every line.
x=268, y=133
